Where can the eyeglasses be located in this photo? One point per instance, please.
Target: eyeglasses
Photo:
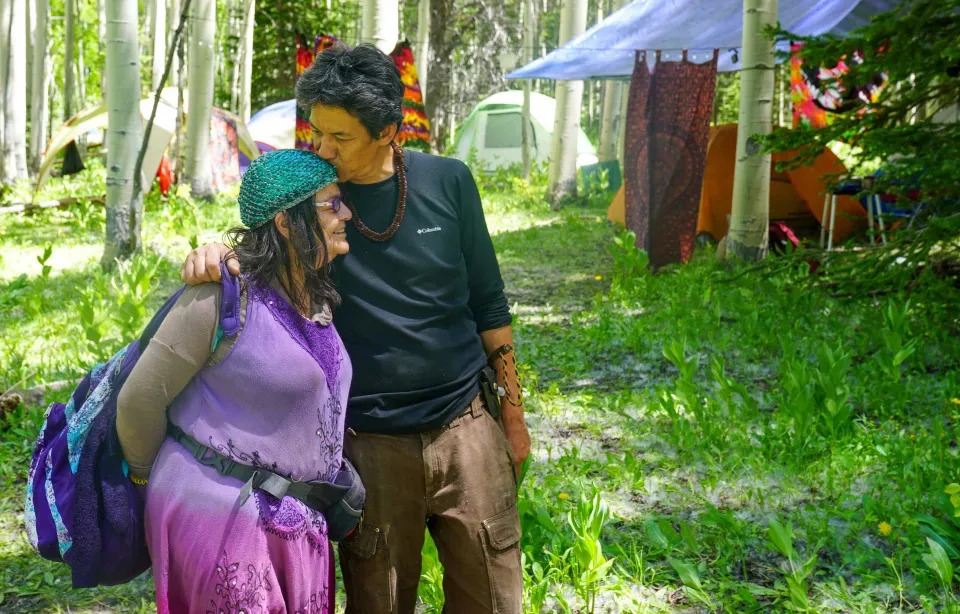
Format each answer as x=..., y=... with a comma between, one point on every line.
x=334, y=204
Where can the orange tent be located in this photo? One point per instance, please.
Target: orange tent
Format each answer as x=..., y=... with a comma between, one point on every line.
x=796, y=196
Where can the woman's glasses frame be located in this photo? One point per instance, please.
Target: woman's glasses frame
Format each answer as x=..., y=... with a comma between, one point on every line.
x=334, y=204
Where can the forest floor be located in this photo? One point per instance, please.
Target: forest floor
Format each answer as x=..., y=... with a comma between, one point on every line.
x=702, y=441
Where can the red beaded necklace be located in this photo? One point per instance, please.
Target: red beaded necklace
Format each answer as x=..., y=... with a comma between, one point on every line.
x=401, y=174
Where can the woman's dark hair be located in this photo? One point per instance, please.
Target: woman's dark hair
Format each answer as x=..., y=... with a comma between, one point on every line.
x=361, y=80
x=264, y=256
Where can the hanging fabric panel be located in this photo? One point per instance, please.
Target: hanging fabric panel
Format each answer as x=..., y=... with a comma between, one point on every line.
x=668, y=124
x=415, y=130
x=305, y=54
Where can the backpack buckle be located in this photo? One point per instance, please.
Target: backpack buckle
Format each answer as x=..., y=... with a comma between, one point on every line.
x=221, y=463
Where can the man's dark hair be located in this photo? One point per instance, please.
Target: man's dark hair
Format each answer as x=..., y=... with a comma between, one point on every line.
x=363, y=81
x=263, y=255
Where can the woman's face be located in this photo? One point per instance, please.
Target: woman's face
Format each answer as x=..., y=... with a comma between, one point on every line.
x=333, y=216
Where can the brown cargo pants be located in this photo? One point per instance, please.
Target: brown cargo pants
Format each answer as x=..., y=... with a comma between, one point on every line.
x=458, y=481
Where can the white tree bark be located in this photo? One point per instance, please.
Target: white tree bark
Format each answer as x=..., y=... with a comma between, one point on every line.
x=4, y=65
x=246, y=67
x=422, y=58
x=69, y=63
x=529, y=34
x=173, y=18
x=201, y=65
x=15, y=94
x=102, y=35
x=40, y=84
x=159, y=36
x=562, y=174
x=124, y=207
x=750, y=214
x=381, y=23
x=611, y=121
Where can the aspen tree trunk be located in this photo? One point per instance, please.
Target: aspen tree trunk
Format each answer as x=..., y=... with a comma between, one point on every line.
x=4, y=64
x=750, y=214
x=235, y=28
x=102, y=36
x=15, y=93
x=246, y=67
x=423, y=46
x=610, y=118
x=40, y=84
x=563, y=153
x=381, y=23
x=622, y=136
x=124, y=207
x=81, y=84
x=69, y=42
x=173, y=18
x=529, y=32
x=201, y=63
x=159, y=36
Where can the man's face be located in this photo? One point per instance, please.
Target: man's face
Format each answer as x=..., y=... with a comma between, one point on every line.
x=340, y=138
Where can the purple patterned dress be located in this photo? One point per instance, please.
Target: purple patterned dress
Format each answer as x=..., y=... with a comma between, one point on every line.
x=276, y=400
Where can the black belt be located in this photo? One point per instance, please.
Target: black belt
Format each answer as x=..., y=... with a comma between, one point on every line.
x=341, y=501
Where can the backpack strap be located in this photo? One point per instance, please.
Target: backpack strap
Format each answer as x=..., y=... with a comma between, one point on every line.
x=229, y=322
x=230, y=302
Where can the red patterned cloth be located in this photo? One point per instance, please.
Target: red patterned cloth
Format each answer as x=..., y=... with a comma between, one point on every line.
x=302, y=138
x=415, y=130
x=224, y=158
x=668, y=124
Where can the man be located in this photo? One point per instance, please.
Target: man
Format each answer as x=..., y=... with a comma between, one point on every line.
x=423, y=311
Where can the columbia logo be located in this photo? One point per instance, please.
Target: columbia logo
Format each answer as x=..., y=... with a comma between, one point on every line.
x=426, y=230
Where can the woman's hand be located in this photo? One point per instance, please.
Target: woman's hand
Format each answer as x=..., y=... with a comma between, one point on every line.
x=203, y=264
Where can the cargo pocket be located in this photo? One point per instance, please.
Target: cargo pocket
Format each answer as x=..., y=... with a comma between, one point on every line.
x=366, y=571
x=501, y=550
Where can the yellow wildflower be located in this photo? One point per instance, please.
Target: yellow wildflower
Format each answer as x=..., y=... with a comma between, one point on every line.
x=955, y=401
x=884, y=528
x=563, y=496
x=599, y=277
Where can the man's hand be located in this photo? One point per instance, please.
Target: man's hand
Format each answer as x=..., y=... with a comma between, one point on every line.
x=203, y=264
x=515, y=430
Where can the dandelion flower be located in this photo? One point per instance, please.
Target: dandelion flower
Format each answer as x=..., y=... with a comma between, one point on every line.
x=884, y=528
x=563, y=496
x=599, y=277
x=955, y=401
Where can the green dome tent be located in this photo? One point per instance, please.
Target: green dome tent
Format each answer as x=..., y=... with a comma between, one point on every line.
x=492, y=132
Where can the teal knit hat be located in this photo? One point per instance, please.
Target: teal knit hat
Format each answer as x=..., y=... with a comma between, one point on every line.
x=280, y=179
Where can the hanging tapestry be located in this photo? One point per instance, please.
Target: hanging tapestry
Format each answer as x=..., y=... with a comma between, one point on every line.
x=305, y=54
x=415, y=130
x=224, y=158
x=668, y=124
x=818, y=93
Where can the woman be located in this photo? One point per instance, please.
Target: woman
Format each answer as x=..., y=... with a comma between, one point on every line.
x=272, y=397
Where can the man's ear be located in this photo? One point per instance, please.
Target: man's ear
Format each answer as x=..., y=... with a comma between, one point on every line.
x=282, y=224
x=388, y=134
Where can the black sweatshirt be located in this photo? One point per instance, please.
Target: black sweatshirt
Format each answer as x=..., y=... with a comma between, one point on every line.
x=413, y=305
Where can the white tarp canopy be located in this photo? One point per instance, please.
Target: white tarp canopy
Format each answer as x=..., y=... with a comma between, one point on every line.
x=607, y=50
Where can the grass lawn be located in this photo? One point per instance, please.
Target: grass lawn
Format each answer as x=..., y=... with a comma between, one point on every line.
x=702, y=442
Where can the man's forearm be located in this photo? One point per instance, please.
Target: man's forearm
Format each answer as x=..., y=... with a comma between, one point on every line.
x=507, y=378
x=511, y=403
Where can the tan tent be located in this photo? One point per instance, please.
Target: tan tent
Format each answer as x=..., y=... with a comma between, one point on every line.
x=164, y=125
x=796, y=196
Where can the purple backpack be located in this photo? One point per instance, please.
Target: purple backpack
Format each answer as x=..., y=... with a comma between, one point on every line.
x=81, y=507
